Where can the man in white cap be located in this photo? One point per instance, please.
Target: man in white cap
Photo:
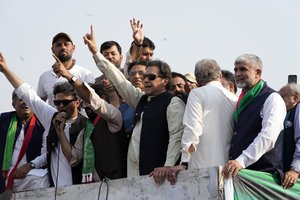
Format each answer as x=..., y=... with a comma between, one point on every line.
x=62, y=47
x=191, y=80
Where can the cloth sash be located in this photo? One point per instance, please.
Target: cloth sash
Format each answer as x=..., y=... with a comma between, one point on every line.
x=88, y=151
x=25, y=144
x=247, y=98
x=10, y=138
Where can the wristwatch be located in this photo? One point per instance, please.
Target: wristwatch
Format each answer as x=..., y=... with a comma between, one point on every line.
x=185, y=164
x=32, y=165
x=72, y=80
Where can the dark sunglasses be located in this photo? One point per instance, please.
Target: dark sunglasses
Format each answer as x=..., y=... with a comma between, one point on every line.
x=152, y=77
x=64, y=102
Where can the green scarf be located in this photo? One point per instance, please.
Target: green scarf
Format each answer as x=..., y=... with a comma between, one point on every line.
x=10, y=139
x=247, y=98
x=88, y=154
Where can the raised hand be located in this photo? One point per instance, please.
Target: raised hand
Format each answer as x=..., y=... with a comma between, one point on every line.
x=90, y=41
x=3, y=66
x=137, y=31
x=60, y=69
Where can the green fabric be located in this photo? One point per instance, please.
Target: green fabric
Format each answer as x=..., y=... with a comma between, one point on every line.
x=248, y=97
x=251, y=184
x=88, y=152
x=10, y=138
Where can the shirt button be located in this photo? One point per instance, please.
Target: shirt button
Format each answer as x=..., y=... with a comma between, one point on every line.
x=234, y=133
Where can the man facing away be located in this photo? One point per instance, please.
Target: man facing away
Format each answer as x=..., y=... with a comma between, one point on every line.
x=15, y=126
x=208, y=123
x=158, y=127
x=258, y=121
x=62, y=47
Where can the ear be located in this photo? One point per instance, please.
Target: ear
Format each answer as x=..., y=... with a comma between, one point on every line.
x=165, y=82
x=121, y=56
x=258, y=72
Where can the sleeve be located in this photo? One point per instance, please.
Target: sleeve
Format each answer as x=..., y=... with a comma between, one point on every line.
x=41, y=109
x=296, y=159
x=130, y=94
x=192, y=121
x=273, y=114
x=40, y=161
x=111, y=114
x=175, y=125
x=77, y=150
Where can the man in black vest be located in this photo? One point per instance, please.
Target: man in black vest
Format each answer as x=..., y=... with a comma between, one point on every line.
x=258, y=119
x=157, y=132
x=291, y=142
x=21, y=117
x=63, y=125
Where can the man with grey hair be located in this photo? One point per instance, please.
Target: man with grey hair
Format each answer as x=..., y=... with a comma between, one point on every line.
x=208, y=123
x=291, y=135
x=258, y=119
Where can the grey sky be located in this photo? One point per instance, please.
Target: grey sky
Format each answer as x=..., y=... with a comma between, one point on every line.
x=183, y=31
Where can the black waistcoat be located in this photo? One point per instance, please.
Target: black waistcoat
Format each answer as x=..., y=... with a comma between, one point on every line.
x=109, y=158
x=154, y=134
x=52, y=141
x=247, y=128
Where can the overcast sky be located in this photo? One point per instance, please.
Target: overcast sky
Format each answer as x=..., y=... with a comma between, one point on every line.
x=184, y=32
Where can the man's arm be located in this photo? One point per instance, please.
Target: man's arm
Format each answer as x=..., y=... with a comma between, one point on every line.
x=175, y=125
x=192, y=121
x=130, y=94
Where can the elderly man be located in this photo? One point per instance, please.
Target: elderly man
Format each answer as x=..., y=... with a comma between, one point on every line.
x=208, y=123
x=258, y=119
x=157, y=128
x=291, y=142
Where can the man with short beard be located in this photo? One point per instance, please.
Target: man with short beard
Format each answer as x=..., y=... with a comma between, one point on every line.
x=179, y=86
x=62, y=47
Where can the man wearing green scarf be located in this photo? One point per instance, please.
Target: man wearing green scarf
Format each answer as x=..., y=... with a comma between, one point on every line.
x=258, y=121
x=14, y=128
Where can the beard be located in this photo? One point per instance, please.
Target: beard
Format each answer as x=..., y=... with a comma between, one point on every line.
x=64, y=58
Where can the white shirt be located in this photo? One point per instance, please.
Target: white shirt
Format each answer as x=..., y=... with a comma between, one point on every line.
x=208, y=125
x=132, y=96
x=48, y=79
x=44, y=113
x=273, y=113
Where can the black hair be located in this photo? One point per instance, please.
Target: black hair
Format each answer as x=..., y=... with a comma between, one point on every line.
x=228, y=76
x=137, y=62
x=108, y=44
x=65, y=88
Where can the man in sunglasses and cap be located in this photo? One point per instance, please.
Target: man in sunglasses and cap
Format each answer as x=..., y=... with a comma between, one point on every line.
x=63, y=47
x=64, y=141
x=157, y=131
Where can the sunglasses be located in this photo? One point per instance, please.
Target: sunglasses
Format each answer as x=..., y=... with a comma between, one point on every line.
x=152, y=77
x=64, y=102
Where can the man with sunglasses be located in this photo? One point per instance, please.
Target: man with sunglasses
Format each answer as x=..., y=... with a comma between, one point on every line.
x=158, y=128
x=63, y=125
x=102, y=135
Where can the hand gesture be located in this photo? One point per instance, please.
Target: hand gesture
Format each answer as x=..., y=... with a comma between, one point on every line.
x=90, y=41
x=59, y=123
x=137, y=31
x=60, y=69
x=3, y=66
